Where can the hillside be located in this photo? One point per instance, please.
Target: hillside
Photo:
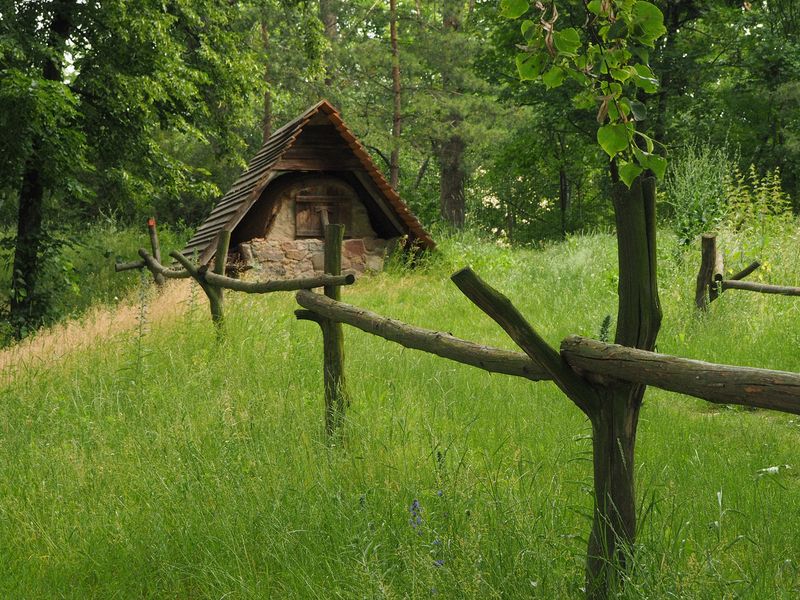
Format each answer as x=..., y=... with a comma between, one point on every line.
x=143, y=459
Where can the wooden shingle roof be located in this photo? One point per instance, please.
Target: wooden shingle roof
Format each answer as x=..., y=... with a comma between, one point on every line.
x=247, y=189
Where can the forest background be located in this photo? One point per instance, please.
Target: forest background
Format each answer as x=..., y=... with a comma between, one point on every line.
x=112, y=113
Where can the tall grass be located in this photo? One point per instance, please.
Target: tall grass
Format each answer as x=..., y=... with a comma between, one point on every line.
x=79, y=274
x=170, y=466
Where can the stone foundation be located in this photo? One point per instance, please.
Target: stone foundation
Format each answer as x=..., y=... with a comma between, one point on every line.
x=281, y=259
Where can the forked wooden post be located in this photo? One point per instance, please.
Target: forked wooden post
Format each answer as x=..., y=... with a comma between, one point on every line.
x=336, y=399
x=156, y=247
x=705, y=278
x=216, y=299
x=210, y=283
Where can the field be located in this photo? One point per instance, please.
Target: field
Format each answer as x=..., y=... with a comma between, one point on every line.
x=149, y=461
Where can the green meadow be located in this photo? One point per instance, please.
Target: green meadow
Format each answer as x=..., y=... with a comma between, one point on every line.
x=157, y=462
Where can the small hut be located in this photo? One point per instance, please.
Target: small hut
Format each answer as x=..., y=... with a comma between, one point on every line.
x=309, y=171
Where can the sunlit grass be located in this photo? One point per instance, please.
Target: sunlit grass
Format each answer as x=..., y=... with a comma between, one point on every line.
x=171, y=466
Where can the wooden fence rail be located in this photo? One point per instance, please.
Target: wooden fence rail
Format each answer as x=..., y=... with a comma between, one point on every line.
x=711, y=280
x=583, y=357
x=441, y=344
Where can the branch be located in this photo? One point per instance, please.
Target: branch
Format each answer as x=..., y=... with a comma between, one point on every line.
x=185, y=263
x=128, y=266
x=746, y=271
x=500, y=308
x=720, y=384
x=441, y=344
x=158, y=269
x=764, y=288
x=278, y=285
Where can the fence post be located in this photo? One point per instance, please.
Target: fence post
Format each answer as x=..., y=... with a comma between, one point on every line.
x=216, y=294
x=336, y=399
x=156, y=247
x=705, y=278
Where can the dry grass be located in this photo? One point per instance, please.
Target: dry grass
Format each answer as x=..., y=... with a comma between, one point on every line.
x=49, y=346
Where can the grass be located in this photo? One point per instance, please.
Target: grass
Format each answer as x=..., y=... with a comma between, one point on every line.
x=165, y=465
x=80, y=276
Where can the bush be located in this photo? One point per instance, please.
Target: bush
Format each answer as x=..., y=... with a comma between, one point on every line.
x=695, y=189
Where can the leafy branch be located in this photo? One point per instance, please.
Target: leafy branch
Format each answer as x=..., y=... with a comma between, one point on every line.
x=608, y=58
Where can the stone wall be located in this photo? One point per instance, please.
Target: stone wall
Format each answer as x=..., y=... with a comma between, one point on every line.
x=289, y=259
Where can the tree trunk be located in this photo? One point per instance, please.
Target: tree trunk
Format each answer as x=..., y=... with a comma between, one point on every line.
x=25, y=311
x=563, y=196
x=394, y=161
x=266, y=122
x=614, y=523
x=452, y=177
x=615, y=418
x=451, y=150
x=330, y=24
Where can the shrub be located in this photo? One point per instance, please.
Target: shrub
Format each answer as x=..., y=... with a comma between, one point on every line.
x=695, y=190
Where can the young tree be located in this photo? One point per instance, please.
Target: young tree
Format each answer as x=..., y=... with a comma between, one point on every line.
x=604, y=48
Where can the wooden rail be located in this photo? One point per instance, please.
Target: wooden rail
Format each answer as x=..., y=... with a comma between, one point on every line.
x=493, y=360
x=711, y=280
x=583, y=357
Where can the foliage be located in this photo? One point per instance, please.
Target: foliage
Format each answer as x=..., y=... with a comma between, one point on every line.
x=695, y=190
x=79, y=270
x=606, y=54
x=756, y=202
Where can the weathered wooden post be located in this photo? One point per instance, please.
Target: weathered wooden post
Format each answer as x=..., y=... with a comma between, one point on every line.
x=156, y=247
x=217, y=298
x=213, y=291
x=710, y=265
x=336, y=399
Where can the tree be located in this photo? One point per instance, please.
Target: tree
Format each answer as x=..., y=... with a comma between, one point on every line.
x=87, y=93
x=606, y=51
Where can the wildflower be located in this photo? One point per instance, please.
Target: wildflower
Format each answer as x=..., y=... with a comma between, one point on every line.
x=416, y=515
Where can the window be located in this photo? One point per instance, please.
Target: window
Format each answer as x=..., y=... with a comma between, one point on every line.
x=332, y=197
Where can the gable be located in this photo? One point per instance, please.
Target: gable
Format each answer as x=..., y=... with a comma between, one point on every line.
x=317, y=140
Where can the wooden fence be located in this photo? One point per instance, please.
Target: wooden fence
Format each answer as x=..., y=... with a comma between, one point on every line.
x=589, y=372
x=711, y=281
x=215, y=282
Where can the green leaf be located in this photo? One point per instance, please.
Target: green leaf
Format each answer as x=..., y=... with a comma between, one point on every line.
x=648, y=23
x=567, y=40
x=554, y=77
x=639, y=110
x=594, y=7
x=644, y=78
x=613, y=138
x=629, y=171
x=513, y=9
x=647, y=140
x=527, y=28
x=657, y=164
x=620, y=74
x=529, y=66
x=584, y=100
